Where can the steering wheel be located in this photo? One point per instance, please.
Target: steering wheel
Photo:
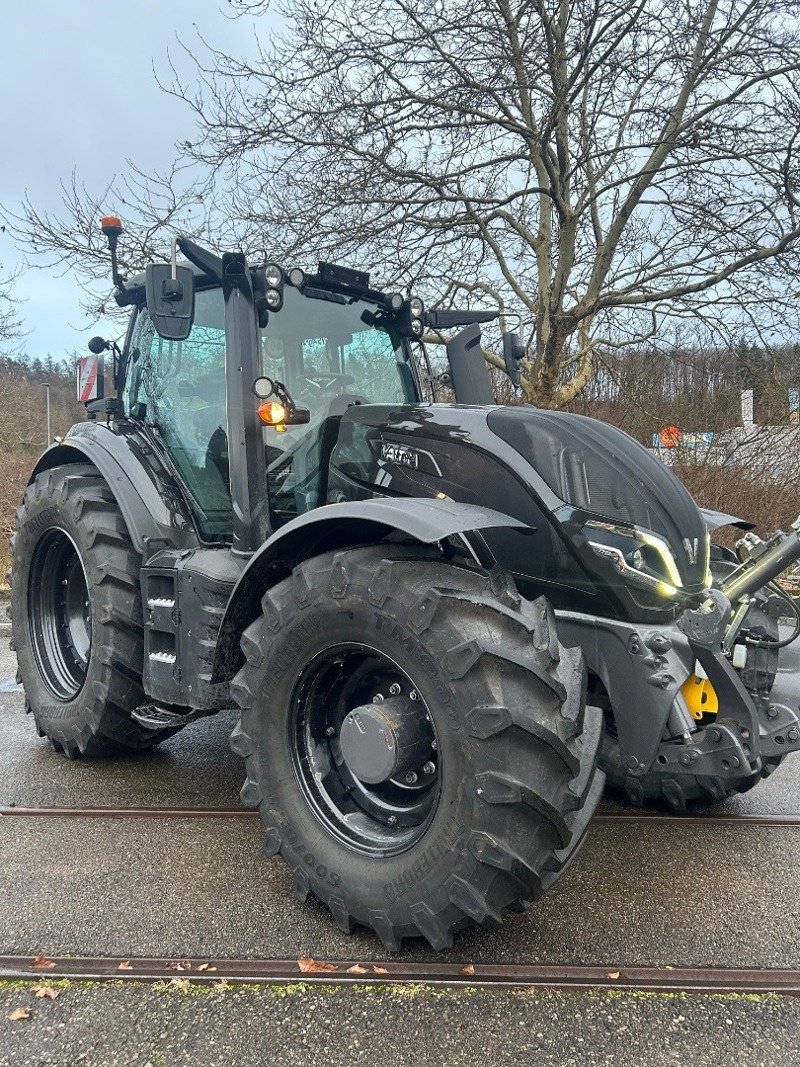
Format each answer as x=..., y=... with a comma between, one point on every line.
x=328, y=379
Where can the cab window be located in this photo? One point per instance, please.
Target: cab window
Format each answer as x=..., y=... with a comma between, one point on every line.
x=178, y=389
x=328, y=353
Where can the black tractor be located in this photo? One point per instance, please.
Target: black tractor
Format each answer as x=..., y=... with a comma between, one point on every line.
x=440, y=621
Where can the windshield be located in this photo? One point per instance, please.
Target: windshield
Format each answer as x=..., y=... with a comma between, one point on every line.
x=329, y=354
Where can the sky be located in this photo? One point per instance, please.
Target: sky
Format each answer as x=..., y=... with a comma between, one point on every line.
x=77, y=90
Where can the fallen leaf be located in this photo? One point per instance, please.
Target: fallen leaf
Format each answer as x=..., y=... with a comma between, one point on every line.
x=126, y=965
x=41, y=991
x=613, y=974
x=309, y=966
x=357, y=969
x=468, y=968
x=380, y=970
x=179, y=965
x=42, y=963
x=19, y=1013
x=205, y=967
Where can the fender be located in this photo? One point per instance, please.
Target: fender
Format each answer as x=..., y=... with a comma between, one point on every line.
x=152, y=508
x=334, y=526
x=715, y=519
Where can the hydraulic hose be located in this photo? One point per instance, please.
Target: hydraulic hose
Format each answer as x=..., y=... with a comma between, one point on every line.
x=783, y=642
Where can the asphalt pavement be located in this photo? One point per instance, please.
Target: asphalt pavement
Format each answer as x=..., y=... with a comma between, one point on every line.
x=118, y=1026
x=638, y=894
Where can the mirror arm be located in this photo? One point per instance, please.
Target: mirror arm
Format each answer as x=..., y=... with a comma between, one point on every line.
x=207, y=262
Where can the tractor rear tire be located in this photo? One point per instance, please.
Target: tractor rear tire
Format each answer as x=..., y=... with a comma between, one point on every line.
x=76, y=615
x=680, y=792
x=499, y=771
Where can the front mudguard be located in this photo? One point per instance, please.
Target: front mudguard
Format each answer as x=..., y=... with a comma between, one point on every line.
x=643, y=668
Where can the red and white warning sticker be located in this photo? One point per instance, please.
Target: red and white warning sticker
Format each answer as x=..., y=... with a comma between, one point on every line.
x=90, y=377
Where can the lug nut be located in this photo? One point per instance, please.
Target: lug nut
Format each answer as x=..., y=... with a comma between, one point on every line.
x=330, y=731
x=413, y=695
x=411, y=777
x=394, y=689
x=392, y=820
x=378, y=698
x=429, y=767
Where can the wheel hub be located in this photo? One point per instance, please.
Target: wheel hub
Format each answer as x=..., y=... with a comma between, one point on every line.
x=385, y=740
x=365, y=749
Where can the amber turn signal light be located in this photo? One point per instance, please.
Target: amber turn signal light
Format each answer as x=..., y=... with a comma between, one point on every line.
x=272, y=413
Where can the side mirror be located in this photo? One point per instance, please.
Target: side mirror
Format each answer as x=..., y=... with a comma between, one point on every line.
x=98, y=345
x=170, y=299
x=281, y=411
x=513, y=355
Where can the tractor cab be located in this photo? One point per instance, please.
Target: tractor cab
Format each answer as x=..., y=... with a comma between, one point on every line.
x=325, y=350
x=225, y=358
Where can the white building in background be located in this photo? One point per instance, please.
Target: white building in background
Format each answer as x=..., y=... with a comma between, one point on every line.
x=772, y=451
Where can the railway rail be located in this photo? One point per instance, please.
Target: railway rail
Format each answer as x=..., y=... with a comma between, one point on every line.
x=601, y=818
x=395, y=972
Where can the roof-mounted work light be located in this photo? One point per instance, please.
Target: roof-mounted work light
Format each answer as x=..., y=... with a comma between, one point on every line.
x=412, y=317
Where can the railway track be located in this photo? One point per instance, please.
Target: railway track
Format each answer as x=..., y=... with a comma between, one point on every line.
x=393, y=972
x=20, y=811
x=337, y=972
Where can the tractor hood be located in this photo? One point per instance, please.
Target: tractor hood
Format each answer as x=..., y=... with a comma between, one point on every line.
x=628, y=516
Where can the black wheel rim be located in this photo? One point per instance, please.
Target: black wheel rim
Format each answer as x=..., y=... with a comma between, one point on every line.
x=378, y=819
x=60, y=616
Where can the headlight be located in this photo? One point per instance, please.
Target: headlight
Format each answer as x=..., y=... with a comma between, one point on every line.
x=640, y=556
x=273, y=274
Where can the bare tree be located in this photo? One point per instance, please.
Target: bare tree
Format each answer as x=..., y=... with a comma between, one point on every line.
x=594, y=167
x=599, y=170
x=10, y=322
x=152, y=205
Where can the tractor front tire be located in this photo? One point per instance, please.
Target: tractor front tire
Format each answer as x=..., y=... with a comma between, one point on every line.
x=76, y=615
x=416, y=741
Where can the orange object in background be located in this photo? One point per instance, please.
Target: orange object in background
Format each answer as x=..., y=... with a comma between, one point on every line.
x=669, y=436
